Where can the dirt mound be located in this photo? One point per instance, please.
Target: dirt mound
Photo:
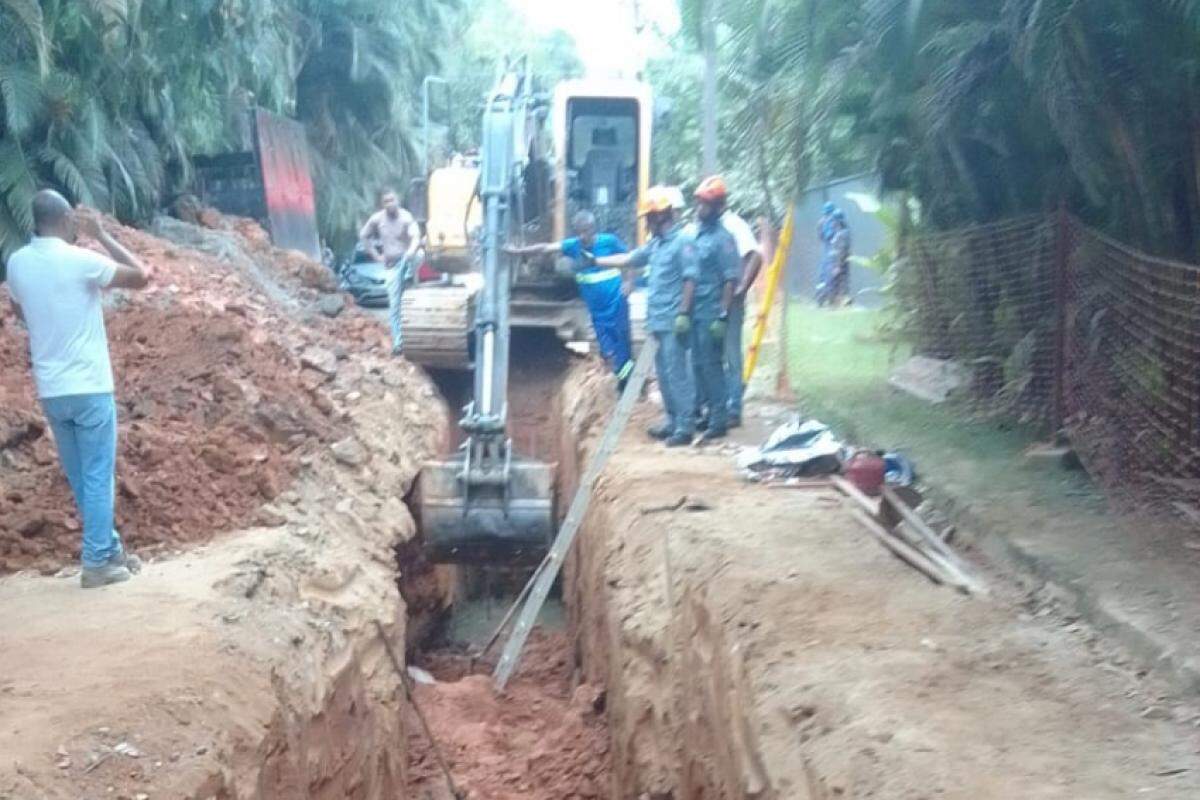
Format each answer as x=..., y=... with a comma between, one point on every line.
x=538, y=741
x=221, y=394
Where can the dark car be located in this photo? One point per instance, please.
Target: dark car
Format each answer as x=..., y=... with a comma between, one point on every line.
x=365, y=279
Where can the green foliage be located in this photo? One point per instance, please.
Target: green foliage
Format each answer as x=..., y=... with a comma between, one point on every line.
x=785, y=110
x=978, y=110
x=486, y=34
x=106, y=100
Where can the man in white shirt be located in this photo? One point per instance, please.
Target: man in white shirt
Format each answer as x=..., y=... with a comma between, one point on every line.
x=55, y=288
x=750, y=251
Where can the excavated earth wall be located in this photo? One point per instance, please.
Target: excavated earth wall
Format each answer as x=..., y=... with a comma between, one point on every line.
x=264, y=470
x=756, y=643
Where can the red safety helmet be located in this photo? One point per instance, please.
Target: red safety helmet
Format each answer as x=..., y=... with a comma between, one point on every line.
x=712, y=190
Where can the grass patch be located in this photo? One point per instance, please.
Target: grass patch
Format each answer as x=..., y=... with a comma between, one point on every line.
x=838, y=363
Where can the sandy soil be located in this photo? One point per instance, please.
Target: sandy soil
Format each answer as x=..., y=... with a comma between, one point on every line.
x=247, y=667
x=768, y=648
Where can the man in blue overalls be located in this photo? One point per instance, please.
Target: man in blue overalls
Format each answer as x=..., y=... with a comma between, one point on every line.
x=674, y=271
x=601, y=288
x=720, y=270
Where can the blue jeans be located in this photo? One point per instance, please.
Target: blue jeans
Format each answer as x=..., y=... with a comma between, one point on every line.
x=675, y=382
x=395, y=280
x=85, y=430
x=708, y=357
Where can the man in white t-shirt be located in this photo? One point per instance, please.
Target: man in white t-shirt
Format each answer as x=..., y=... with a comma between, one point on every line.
x=55, y=288
x=750, y=251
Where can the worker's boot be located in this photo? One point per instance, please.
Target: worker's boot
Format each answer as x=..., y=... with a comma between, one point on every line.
x=678, y=440
x=127, y=560
x=660, y=432
x=712, y=434
x=95, y=577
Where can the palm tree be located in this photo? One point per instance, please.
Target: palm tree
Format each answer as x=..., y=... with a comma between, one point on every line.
x=111, y=113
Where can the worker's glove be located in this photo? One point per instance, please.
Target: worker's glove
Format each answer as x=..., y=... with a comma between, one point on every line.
x=718, y=329
x=683, y=325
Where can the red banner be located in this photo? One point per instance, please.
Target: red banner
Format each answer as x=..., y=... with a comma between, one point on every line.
x=287, y=183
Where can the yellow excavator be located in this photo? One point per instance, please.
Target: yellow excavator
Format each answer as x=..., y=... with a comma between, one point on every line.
x=542, y=159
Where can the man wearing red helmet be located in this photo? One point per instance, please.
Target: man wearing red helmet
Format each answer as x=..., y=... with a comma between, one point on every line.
x=750, y=253
x=720, y=271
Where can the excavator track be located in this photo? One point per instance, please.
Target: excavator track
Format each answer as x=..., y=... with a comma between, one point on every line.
x=437, y=321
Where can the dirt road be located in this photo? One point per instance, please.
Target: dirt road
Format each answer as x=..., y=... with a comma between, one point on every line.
x=768, y=648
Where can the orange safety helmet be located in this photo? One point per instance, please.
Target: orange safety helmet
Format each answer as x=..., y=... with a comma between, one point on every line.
x=659, y=199
x=712, y=190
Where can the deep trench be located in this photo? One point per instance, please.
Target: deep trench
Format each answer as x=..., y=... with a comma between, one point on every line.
x=555, y=741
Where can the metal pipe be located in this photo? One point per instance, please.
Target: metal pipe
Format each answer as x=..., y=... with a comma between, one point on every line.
x=429, y=79
x=489, y=354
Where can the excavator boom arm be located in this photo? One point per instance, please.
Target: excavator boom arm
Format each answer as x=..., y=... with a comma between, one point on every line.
x=489, y=504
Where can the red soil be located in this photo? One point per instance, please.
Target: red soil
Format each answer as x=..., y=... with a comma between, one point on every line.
x=215, y=408
x=538, y=741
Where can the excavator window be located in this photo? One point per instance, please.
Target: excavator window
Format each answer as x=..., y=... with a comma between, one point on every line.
x=602, y=161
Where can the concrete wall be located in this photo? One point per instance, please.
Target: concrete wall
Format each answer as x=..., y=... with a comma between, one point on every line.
x=858, y=197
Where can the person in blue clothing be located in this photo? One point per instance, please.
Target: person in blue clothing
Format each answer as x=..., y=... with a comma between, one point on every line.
x=671, y=257
x=825, y=225
x=601, y=288
x=837, y=292
x=827, y=229
x=720, y=271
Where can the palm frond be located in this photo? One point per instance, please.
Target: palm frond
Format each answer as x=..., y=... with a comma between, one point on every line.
x=67, y=174
x=28, y=16
x=21, y=93
x=17, y=183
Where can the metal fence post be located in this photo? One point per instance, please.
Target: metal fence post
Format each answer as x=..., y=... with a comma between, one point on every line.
x=1062, y=256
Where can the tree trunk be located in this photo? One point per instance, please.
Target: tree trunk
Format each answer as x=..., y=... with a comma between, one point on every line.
x=708, y=34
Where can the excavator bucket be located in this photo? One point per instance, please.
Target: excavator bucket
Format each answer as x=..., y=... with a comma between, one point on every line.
x=497, y=521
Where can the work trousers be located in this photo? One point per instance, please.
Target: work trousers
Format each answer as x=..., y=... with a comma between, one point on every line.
x=708, y=357
x=734, y=355
x=609, y=310
x=675, y=382
x=85, y=430
x=395, y=281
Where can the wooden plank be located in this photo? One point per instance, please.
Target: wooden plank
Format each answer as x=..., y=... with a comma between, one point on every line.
x=932, y=541
x=905, y=552
x=867, y=504
x=804, y=484
x=543, y=580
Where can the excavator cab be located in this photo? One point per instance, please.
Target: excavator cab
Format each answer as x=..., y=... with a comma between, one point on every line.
x=488, y=503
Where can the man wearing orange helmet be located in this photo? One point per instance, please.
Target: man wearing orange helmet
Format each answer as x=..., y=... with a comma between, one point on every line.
x=720, y=270
x=674, y=274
